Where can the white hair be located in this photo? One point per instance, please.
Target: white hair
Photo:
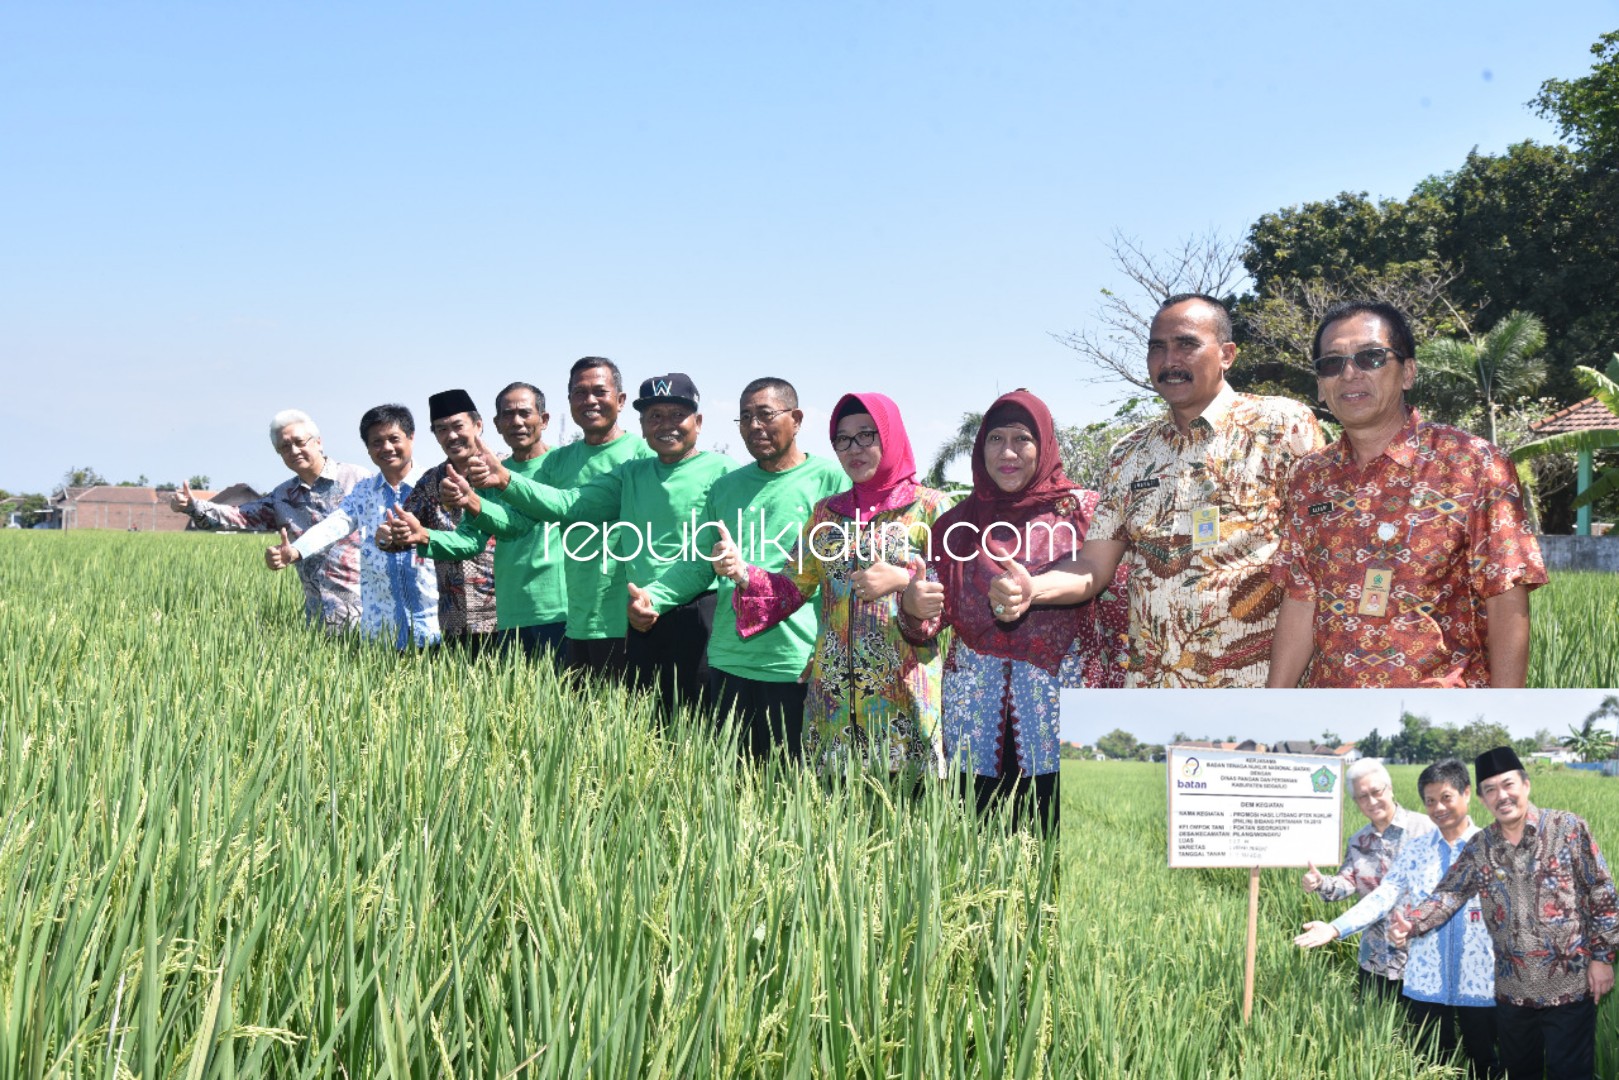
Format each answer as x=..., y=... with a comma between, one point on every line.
x=284, y=419
x=1367, y=767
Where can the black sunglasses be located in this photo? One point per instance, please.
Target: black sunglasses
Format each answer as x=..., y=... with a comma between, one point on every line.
x=1366, y=360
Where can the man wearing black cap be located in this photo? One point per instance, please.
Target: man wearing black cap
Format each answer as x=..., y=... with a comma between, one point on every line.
x=649, y=505
x=1550, y=906
x=466, y=584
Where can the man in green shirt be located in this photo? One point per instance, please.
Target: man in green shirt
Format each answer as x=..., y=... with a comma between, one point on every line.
x=764, y=505
x=650, y=507
x=531, y=597
x=595, y=606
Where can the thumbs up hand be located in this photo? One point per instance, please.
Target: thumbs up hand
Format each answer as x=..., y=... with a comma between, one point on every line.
x=1011, y=593
x=454, y=493
x=400, y=531
x=182, y=500
x=727, y=557
x=281, y=555
x=1312, y=879
x=880, y=579
x=1397, y=927
x=641, y=612
x=923, y=599
x=485, y=470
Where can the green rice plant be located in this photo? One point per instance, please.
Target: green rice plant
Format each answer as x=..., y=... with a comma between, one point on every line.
x=231, y=847
x=1150, y=969
x=1570, y=643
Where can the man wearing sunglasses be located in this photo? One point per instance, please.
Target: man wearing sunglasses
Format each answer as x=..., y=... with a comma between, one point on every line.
x=1406, y=555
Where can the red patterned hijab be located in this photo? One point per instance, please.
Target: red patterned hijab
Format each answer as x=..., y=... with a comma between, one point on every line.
x=1044, y=634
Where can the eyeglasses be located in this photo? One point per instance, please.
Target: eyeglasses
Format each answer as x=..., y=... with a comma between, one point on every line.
x=1372, y=795
x=840, y=443
x=1366, y=360
x=762, y=417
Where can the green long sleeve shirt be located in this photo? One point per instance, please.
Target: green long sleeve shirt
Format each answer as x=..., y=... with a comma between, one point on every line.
x=765, y=513
x=530, y=581
x=594, y=609
x=645, y=509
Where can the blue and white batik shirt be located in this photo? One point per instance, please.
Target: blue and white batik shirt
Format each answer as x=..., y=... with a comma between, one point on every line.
x=398, y=590
x=1454, y=965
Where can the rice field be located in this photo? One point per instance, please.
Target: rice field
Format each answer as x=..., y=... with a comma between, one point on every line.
x=231, y=848
x=1571, y=634
x=1151, y=960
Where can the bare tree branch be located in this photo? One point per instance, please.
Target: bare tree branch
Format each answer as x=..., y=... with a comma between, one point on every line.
x=1114, y=348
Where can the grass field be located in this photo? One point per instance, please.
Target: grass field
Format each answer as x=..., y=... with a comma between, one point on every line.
x=1150, y=966
x=231, y=848
x=1571, y=633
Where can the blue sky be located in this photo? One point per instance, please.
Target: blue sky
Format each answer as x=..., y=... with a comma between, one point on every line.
x=1271, y=716
x=211, y=212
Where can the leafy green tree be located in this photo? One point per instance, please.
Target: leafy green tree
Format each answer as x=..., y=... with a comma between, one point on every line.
x=1477, y=737
x=82, y=476
x=199, y=481
x=1502, y=365
x=1119, y=745
x=1586, y=110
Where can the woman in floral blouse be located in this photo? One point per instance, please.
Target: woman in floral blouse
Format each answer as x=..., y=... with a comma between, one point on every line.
x=870, y=690
x=1003, y=680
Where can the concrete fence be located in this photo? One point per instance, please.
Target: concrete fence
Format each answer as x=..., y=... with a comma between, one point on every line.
x=1580, y=552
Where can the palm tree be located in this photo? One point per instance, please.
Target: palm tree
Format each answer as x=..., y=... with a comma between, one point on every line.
x=959, y=445
x=1605, y=388
x=1500, y=366
x=1589, y=741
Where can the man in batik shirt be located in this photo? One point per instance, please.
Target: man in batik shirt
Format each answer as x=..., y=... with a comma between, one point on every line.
x=466, y=587
x=331, y=579
x=1406, y=554
x=1194, y=503
x=1553, y=917
x=1367, y=857
x=398, y=590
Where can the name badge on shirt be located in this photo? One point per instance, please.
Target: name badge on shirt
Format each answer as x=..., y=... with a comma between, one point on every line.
x=1143, y=485
x=1205, y=527
x=1317, y=509
x=1374, y=592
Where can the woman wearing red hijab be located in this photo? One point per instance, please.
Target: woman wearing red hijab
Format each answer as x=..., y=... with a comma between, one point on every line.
x=869, y=688
x=1003, y=681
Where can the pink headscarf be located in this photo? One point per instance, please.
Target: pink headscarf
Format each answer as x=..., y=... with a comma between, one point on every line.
x=896, y=472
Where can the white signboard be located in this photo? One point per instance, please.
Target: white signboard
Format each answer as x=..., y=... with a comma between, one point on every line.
x=1231, y=808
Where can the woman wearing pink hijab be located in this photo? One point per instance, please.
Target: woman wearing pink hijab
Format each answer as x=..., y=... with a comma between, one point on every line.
x=869, y=689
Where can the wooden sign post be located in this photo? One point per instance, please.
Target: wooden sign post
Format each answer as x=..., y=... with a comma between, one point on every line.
x=1232, y=808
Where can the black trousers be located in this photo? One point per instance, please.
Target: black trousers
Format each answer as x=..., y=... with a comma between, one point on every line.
x=1559, y=1042
x=1372, y=983
x=672, y=657
x=1033, y=797
x=542, y=639
x=769, y=714
x=599, y=656
x=1444, y=1027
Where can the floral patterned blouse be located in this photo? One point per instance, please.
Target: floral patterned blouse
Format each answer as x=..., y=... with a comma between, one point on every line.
x=1548, y=902
x=1367, y=858
x=867, y=683
x=1455, y=966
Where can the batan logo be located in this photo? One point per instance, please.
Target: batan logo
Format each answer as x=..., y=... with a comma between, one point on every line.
x=1190, y=768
